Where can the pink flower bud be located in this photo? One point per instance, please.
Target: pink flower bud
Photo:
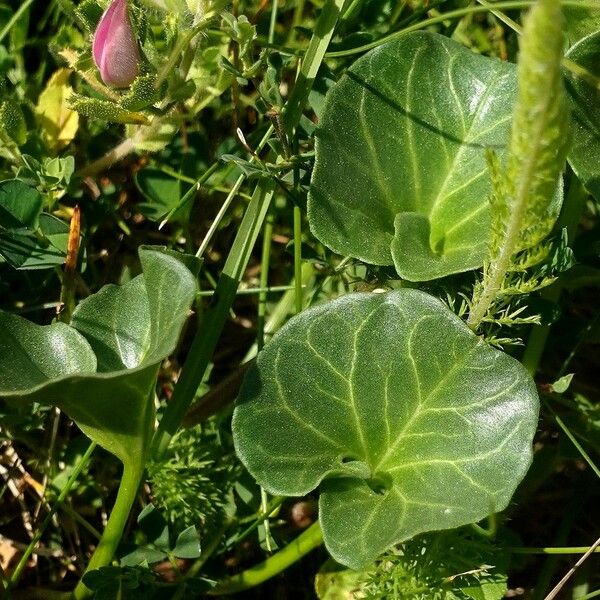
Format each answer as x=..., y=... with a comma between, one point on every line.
x=115, y=48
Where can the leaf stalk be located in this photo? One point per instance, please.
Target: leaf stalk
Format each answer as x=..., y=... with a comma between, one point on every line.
x=128, y=489
x=306, y=542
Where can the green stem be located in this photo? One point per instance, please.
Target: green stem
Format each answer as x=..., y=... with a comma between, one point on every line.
x=208, y=334
x=190, y=194
x=569, y=64
x=271, y=509
x=588, y=596
x=59, y=501
x=293, y=552
x=260, y=340
x=252, y=290
x=181, y=44
x=273, y=21
x=533, y=116
x=312, y=61
x=577, y=445
x=128, y=489
x=12, y=21
x=298, y=294
x=231, y=196
x=451, y=14
x=554, y=550
x=214, y=319
x=296, y=20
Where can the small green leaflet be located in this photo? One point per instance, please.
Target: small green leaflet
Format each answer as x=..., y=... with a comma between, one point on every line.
x=405, y=419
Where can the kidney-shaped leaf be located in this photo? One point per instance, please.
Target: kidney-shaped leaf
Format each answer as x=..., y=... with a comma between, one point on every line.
x=401, y=173
x=102, y=370
x=406, y=418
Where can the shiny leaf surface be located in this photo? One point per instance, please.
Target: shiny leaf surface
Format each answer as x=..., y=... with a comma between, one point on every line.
x=406, y=419
x=401, y=174
x=102, y=370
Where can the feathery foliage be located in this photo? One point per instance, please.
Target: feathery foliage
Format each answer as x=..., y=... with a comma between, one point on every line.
x=192, y=481
x=453, y=565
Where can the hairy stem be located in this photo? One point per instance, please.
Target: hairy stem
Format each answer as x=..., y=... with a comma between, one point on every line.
x=537, y=153
x=500, y=265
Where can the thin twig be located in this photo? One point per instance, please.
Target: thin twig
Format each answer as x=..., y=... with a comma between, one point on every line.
x=572, y=570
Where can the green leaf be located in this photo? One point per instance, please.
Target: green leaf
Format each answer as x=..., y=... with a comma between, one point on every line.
x=105, y=110
x=126, y=331
x=128, y=583
x=12, y=121
x=57, y=122
x=187, y=544
x=584, y=156
x=489, y=589
x=561, y=385
x=161, y=191
x=155, y=527
x=33, y=354
x=141, y=555
x=156, y=531
x=29, y=239
x=581, y=21
x=20, y=205
x=400, y=173
x=89, y=12
x=406, y=419
x=141, y=94
x=44, y=249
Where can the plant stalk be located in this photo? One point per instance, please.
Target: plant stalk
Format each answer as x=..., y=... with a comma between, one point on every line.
x=214, y=319
x=15, y=17
x=306, y=542
x=533, y=116
x=128, y=489
x=313, y=58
